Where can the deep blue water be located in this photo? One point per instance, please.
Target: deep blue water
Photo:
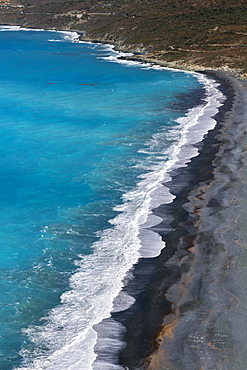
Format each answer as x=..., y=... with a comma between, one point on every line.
x=80, y=134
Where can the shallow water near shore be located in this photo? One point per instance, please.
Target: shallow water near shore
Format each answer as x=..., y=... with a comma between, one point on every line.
x=86, y=143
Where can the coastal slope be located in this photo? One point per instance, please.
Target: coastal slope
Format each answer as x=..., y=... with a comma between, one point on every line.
x=183, y=34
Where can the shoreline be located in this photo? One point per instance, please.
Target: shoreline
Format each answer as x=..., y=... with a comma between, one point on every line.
x=199, y=277
x=197, y=219
x=149, y=58
x=180, y=255
x=214, y=300
x=142, y=57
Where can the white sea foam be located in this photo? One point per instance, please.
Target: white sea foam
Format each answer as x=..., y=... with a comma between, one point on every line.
x=100, y=276
x=70, y=332
x=109, y=344
x=19, y=28
x=93, y=289
x=10, y=28
x=193, y=127
x=54, y=40
x=70, y=36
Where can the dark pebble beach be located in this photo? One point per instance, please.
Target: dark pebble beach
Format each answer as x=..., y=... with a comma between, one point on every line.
x=190, y=310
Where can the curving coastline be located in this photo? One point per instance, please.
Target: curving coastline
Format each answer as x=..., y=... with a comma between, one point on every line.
x=200, y=277
x=193, y=284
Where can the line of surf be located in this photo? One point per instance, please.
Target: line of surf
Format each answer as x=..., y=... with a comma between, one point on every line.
x=68, y=335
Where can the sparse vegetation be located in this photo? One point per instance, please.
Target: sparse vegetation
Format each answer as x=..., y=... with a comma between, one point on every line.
x=202, y=33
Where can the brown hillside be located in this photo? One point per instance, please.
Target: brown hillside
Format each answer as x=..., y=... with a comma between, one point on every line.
x=180, y=33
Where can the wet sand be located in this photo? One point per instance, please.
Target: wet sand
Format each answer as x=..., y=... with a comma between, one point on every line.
x=191, y=313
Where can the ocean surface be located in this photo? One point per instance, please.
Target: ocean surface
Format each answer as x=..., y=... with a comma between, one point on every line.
x=87, y=141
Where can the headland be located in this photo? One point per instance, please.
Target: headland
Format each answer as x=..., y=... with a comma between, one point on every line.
x=182, y=34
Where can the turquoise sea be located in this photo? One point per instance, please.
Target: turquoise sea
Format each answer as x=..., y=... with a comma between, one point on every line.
x=87, y=141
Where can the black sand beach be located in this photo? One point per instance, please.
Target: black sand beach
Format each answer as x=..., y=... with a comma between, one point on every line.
x=191, y=300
